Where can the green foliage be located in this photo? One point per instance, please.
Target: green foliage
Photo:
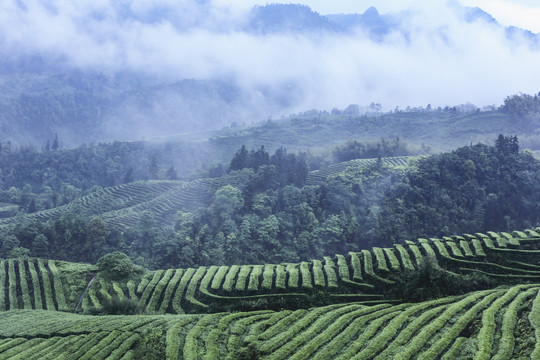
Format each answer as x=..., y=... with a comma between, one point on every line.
x=506, y=346
x=9, y=243
x=506, y=145
x=252, y=216
x=150, y=288
x=247, y=352
x=354, y=149
x=429, y=281
x=47, y=289
x=522, y=104
x=427, y=330
x=117, y=266
x=441, y=197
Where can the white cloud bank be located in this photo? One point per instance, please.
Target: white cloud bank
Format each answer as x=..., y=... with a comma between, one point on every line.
x=443, y=61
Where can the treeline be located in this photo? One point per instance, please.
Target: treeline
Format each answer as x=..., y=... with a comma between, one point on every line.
x=38, y=180
x=522, y=105
x=471, y=189
x=354, y=149
x=280, y=169
x=262, y=219
x=76, y=236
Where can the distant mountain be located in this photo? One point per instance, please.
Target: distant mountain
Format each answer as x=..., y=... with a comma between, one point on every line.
x=278, y=18
x=472, y=14
x=375, y=24
x=516, y=33
x=378, y=25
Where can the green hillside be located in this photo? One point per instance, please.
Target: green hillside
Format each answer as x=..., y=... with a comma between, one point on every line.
x=352, y=306
x=443, y=130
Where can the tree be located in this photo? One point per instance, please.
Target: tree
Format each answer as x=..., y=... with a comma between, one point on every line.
x=9, y=242
x=117, y=266
x=352, y=110
x=19, y=253
x=40, y=246
x=129, y=176
x=55, y=145
x=521, y=105
x=96, y=233
x=507, y=144
x=31, y=207
x=172, y=174
x=240, y=159
x=153, y=169
x=228, y=201
x=268, y=232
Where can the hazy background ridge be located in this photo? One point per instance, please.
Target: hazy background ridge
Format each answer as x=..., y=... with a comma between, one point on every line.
x=142, y=69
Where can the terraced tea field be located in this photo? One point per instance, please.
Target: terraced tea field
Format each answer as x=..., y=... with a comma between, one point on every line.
x=334, y=308
x=121, y=206
x=317, y=177
x=480, y=324
x=364, y=277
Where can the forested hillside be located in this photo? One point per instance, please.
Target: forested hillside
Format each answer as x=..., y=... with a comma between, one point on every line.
x=270, y=208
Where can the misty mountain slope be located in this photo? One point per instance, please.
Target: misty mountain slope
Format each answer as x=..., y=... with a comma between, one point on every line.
x=442, y=130
x=196, y=154
x=274, y=209
x=109, y=199
x=319, y=177
x=89, y=107
x=289, y=18
x=376, y=25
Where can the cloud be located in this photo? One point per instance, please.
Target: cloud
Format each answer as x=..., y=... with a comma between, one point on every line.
x=511, y=13
x=440, y=60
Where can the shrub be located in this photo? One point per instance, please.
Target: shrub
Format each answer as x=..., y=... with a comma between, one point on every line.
x=117, y=306
x=152, y=344
x=428, y=282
